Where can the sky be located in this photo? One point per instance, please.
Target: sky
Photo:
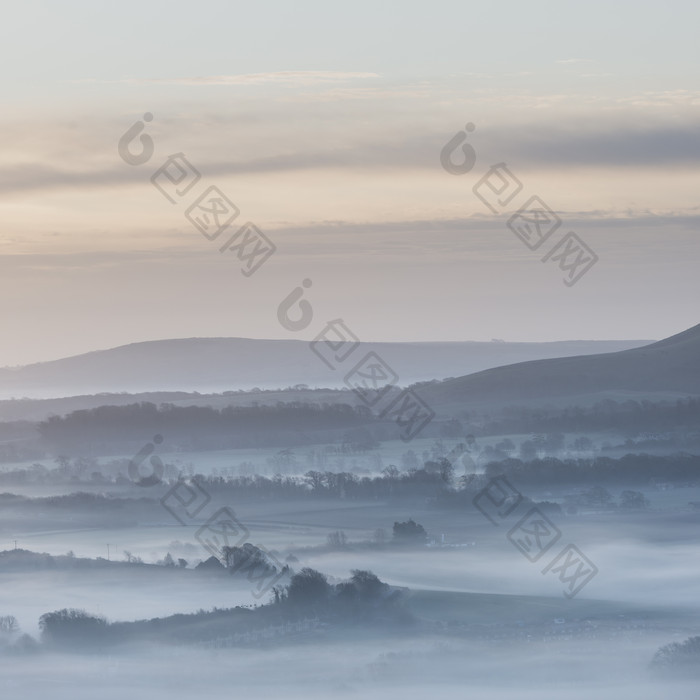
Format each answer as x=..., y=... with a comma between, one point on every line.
x=324, y=124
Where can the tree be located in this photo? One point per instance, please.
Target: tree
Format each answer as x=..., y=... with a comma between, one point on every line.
x=71, y=627
x=247, y=557
x=337, y=540
x=633, y=500
x=8, y=624
x=315, y=479
x=391, y=472
x=308, y=587
x=597, y=497
x=25, y=645
x=63, y=463
x=447, y=471
x=443, y=467
x=279, y=594
x=409, y=532
x=679, y=656
x=367, y=584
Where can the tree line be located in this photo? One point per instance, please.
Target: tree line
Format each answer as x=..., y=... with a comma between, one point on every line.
x=631, y=468
x=627, y=417
x=201, y=427
x=363, y=598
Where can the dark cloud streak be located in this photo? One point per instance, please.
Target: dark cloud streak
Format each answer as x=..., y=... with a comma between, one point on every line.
x=533, y=147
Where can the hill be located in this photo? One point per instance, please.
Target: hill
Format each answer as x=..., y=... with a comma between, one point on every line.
x=670, y=367
x=212, y=365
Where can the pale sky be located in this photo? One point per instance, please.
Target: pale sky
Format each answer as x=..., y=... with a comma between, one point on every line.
x=323, y=123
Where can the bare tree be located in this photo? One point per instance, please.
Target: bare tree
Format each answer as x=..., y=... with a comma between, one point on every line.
x=337, y=539
x=8, y=624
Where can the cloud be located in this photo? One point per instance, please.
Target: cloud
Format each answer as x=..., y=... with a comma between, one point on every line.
x=615, y=145
x=278, y=77
x=37, y=177
x=561, y=144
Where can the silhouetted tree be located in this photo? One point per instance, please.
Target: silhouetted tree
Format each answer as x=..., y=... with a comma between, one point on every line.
x=681, y=657
x=368, y=585
x=71, y=627
x=409, y=532
x=308, y=587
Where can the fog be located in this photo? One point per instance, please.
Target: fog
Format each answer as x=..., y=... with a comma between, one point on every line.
x=329, y=375
x=410, y=670
x=483, y=620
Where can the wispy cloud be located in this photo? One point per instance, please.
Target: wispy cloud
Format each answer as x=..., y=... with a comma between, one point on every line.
x=279, y=77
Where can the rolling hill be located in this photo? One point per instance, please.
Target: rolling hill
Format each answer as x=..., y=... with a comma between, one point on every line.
x=210, y=365
x=670, y=367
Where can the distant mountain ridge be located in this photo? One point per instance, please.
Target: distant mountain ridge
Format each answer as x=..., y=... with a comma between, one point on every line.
x=210, y=365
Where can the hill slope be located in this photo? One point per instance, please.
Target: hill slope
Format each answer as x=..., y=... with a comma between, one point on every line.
x=670, y=366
